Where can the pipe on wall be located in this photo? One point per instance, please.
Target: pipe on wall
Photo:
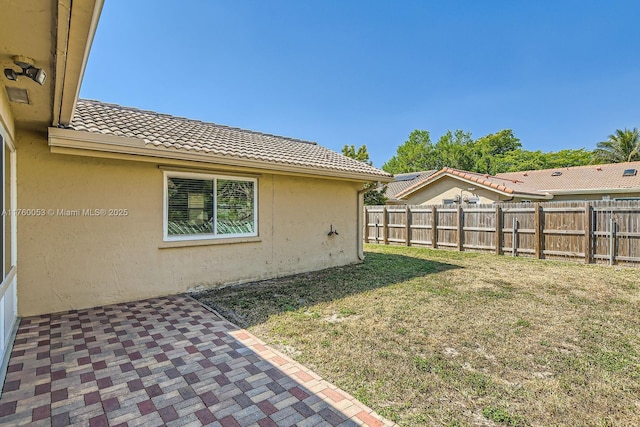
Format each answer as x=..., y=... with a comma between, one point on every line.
x=359, y=223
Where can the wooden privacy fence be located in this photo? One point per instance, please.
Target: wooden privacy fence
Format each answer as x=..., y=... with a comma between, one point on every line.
x=591, y=232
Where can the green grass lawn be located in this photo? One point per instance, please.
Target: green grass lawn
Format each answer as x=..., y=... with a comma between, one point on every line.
x=430, y=337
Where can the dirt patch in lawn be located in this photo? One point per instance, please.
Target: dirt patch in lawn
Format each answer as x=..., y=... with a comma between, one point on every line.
x=445, y=338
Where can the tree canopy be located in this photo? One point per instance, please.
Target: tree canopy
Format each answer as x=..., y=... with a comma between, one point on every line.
x=361, y=154
x=494, y=153
x=413, y=155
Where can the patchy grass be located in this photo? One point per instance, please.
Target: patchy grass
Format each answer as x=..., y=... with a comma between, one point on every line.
x=446, y=338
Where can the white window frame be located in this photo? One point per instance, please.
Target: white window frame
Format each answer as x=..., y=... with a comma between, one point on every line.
x=206, y=177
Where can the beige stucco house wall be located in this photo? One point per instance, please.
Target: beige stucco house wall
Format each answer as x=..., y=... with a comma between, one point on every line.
x=82, y=261
x=106, y=158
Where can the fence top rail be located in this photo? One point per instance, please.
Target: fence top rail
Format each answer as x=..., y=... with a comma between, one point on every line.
x=479, y=210
x=596, y=204
x=527, y=210
x=616, y=209
x=566, y=209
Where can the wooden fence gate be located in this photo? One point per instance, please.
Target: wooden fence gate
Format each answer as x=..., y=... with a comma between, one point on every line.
x=591, y=232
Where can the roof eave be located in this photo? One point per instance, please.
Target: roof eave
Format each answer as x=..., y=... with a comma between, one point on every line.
x=595, y=191
x=76, y=25
x=85, y=143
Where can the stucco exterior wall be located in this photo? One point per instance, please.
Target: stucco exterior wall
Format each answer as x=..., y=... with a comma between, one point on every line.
x=449, y=188
x=71, y=262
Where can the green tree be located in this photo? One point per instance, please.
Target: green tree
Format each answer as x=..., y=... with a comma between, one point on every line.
x=522, y=160
x=454, y=150
x=494, y=153
x=518, y=160
x=568, y=158
x=413, y=155
x=622, y=146
x=488, y=149
x=361, y=154
x=375, y=194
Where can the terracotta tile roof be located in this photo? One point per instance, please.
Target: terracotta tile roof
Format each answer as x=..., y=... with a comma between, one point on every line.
x=543, y=183
x=580, y=178
x=163, y=130
x=402, y=182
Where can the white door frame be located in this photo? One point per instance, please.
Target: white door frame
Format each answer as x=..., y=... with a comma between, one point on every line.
x=8, y=285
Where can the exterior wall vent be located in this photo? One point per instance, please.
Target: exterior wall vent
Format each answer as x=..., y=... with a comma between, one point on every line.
x=16, y=94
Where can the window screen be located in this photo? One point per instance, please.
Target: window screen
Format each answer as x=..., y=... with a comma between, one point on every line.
x=211, y=207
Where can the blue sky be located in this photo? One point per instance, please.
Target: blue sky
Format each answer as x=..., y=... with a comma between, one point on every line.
x=561, y=74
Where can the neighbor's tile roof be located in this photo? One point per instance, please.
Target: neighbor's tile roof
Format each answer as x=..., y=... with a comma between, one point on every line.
x=504, y=185
x=400, y=184
x=592, y=177
x=163, y=130
x=543, y=182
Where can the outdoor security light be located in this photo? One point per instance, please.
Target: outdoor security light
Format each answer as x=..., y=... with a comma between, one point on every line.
x=36, y=74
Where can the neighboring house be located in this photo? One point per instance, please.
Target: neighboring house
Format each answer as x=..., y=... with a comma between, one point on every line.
x=117, y=204
x=402, y=181
x=617, y=181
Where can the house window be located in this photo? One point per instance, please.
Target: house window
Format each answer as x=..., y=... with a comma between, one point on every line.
x=201, y=206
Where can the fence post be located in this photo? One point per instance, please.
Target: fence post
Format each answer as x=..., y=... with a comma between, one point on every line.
x=385, y=226
x=612, y=240
x=514, y=237
x=434, y=227
x=498, y=236
x=407, y=223
x=376, y=233
x=460, y=226
x=537, y=226
x=588, y=229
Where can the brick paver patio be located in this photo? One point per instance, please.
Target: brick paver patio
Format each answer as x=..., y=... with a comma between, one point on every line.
x=163, y=361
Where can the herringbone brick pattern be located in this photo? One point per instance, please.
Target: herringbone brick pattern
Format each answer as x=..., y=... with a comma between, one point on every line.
x=164, y=361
